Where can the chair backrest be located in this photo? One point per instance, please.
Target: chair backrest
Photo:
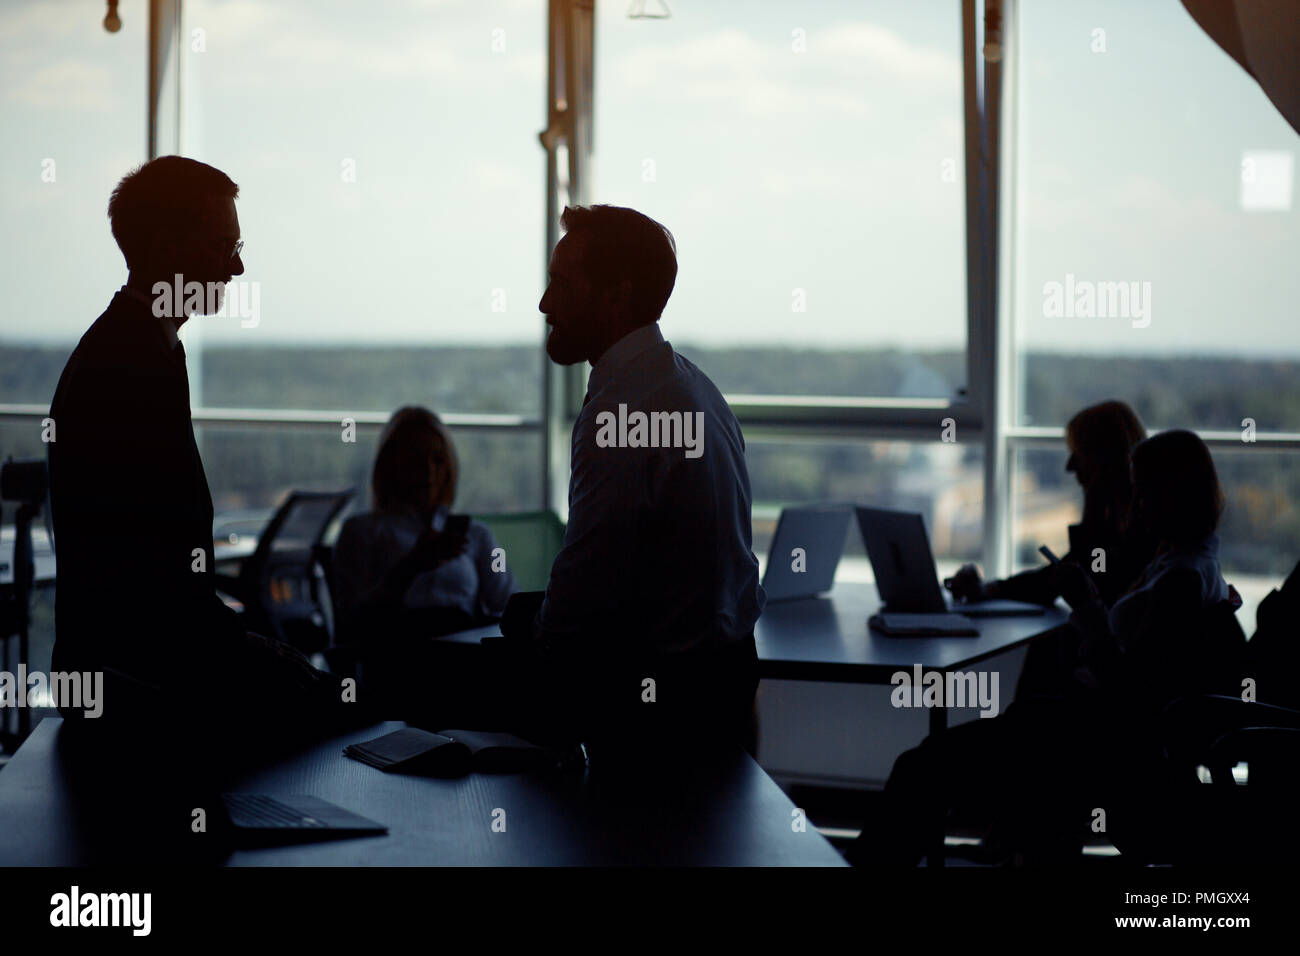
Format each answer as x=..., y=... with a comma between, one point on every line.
x=1273, y=654
x=1224, y=661
x=284, y=574
x=531, y=540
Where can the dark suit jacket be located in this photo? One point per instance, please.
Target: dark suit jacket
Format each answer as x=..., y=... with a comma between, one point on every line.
x=131, y=508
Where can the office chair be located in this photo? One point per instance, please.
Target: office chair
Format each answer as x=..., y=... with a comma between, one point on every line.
x=27, y=483
x=531, y=540
x=1212, y=733
x=1151, y=801
x=343, y=656
x=1191, y=819
x=283, y=585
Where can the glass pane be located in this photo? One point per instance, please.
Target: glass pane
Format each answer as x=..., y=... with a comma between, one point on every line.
x=252, y=470
x=1258, y=534
x=502, y=378
x=391, y=197
x=1156, y=233
x=808, y=159
x=73, y=115
x=944, y=482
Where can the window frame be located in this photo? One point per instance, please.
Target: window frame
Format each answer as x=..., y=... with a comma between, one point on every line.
x=982, y=414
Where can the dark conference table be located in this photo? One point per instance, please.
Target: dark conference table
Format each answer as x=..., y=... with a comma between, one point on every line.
x=726, y=812
x=827, y=639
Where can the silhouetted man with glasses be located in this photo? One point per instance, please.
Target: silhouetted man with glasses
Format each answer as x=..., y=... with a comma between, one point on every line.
x=130, y=501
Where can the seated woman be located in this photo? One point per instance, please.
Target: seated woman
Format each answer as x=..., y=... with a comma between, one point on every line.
x=400, y=565
x=1041, y=769
x=1100, y=439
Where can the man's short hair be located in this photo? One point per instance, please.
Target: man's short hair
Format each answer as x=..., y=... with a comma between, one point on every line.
x=622, y=244
x=169, y=193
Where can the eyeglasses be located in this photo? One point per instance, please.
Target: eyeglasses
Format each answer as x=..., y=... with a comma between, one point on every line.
x=235, y=250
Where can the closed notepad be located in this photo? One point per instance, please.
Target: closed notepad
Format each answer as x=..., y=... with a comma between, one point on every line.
x=411, y=750
x=451, y=753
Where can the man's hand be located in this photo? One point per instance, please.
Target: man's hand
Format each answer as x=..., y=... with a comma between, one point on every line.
x=519, y=621
x=285, y=665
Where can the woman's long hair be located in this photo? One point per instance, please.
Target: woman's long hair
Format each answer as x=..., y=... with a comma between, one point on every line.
x=1177, y=487
x=1105, y=436
x=402, y=478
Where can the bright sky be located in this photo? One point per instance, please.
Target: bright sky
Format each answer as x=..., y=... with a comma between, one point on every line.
x=789, y=146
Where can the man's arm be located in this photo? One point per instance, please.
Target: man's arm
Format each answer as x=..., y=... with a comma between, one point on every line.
x=131, y=483
x=588, y=574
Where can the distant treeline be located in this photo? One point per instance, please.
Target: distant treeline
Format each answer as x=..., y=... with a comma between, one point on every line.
x=253, y=467
x=1166, y=391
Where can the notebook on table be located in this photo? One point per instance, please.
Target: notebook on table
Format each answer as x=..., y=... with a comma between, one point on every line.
x=452, y=753
x=919, y=624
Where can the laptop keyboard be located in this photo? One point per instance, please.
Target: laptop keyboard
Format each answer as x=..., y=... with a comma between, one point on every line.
x=260, y=812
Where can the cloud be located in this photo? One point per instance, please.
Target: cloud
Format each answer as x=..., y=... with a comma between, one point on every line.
x=66, y=85
x=865, y=49
x=271, y=42
x=844, y=69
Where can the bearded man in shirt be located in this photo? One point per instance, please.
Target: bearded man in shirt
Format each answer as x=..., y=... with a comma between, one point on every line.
x=646, y=625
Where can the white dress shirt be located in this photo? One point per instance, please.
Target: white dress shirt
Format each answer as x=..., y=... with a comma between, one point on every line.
x=658, y=550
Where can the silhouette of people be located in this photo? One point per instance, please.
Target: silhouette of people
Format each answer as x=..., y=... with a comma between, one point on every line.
x=131, y=507
x=1041, y=768
x=651, y=602
x=405, y=569
x=1100, y=439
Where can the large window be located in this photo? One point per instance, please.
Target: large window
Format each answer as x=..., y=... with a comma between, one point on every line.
x=1154, y=261
x=391, y=199
x=1156, y=239
x=392, y=202
x=253, y=468
x=809, y=160
x=941, y=481
x=72, y=121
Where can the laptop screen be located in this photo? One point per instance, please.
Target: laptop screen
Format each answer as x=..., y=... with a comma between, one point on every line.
x=805, y=551
x=901, y=560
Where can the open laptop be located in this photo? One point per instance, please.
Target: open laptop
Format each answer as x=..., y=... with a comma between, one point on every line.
x=903, y=564
x=258, y=819
x=818, y=532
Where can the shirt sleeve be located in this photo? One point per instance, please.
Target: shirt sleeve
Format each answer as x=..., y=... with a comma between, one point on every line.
x=1035, y=586
x=603, y=505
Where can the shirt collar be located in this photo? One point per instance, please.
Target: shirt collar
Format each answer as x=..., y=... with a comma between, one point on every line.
x=624, y=351
x=168, y=327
